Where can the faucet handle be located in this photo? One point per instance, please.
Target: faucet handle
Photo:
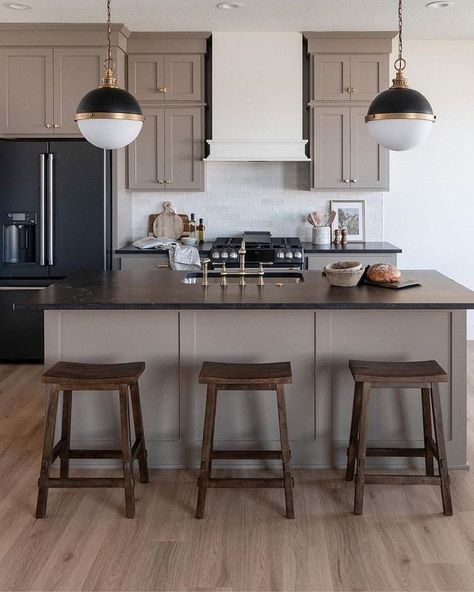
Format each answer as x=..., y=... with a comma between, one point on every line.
x=242, y=246
x=205, y=261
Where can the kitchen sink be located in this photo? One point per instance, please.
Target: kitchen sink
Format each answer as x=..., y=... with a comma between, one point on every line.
x=270, y=277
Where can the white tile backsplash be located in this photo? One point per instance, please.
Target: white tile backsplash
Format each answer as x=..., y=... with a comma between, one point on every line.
x=254, y=196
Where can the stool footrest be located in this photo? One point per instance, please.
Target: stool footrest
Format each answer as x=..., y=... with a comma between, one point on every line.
x=401, y=480
x=58, y=449
x=106, y=454
x=136, y=448
x=246, y=454
x=86, y=482
x=400, y=452
x=246, y=482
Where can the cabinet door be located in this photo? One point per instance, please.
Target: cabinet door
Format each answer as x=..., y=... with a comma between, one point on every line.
x=146, y=159
x=146, y=77
x=368, y=76
x=184, y=141
x=77, y=70
x=331, y=77
x=183, y=77
x=369, y=160
x=26, y=91
x=330, y=147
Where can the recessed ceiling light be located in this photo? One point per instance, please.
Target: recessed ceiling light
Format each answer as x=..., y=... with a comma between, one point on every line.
x=440, y=4
x=230, y=5
x=17, y=6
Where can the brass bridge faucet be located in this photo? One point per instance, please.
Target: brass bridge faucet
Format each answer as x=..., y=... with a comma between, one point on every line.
x=242, y=252
x=241, y=272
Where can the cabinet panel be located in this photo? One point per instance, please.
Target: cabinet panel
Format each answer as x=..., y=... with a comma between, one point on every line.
x=183, y=79
x=146, y=77
x=76, y=71
x=369, y=160
x=368, y=76
x=331, y=147
x=331, y=77
x=26, y=95
x=146, y=153
x=184, y=148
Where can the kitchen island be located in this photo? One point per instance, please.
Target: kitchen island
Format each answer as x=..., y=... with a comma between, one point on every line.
x=174, y=327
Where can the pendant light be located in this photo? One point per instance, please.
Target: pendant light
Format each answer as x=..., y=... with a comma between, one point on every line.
x=109, y=117
x=400, y=118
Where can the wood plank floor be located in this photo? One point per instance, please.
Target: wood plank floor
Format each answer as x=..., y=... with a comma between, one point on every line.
x=402, y=542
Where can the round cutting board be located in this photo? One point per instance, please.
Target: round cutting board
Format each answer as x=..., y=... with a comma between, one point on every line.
x=168, y=223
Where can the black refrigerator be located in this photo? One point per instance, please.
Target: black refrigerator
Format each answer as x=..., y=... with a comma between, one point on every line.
x=55, y=210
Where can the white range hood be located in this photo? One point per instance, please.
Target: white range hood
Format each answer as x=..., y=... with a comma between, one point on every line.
x=257, y=103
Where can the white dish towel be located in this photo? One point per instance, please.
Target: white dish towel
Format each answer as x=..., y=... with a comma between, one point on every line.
x=184, y=258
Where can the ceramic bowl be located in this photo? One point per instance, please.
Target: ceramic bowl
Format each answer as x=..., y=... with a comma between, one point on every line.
x=345, y=277
x=189, y=241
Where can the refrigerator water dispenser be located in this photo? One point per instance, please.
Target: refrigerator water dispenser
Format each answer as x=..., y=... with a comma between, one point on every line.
x=19, y=237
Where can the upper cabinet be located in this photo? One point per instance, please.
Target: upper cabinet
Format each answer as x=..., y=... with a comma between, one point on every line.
x=174, y=77
x=166, y=73
x=41, y=87
x=342, y=77
x=346, y=72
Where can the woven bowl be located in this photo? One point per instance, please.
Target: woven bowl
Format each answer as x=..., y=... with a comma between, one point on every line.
x=344, y=277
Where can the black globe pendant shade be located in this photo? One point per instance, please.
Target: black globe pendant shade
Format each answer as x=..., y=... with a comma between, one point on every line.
x=109, y=117
x=400, y=118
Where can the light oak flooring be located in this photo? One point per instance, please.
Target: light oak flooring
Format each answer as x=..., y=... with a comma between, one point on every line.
x=402, y=542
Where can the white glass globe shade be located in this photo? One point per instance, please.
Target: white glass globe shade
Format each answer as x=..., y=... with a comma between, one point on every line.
x=400, y=134
x=110, y=134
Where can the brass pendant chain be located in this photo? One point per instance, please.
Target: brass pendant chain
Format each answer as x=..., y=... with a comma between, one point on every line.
x=109, y=64
x=400, y=64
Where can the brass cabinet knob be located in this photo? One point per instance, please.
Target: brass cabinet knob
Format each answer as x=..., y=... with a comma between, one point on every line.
x=346, y=180
x=348, y=89
x=56, y=126
x=49, y=126
x=353, y=90
x=168, y=181
x=162, y=90
x=160, y=181
x=353, y=180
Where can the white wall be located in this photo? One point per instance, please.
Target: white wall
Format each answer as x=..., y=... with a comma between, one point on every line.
x=429, y=211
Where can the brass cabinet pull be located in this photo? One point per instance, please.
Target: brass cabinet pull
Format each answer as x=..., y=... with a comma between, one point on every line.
x=49, y=126
x=56, y=126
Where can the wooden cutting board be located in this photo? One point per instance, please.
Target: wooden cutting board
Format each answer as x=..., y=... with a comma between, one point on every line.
x=168, y=223
x=152, y=218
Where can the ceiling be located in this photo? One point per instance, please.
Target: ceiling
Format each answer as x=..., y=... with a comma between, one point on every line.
x=259, y=15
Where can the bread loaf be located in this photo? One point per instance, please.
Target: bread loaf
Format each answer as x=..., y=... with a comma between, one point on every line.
x=383, y=272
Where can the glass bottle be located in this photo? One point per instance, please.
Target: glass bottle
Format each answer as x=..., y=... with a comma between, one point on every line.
x=192, y=227
x=200, y=231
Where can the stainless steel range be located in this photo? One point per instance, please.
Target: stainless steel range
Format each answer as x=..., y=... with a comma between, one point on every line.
x=261, y=247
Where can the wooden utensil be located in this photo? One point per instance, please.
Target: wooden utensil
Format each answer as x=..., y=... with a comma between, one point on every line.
x=168, y=223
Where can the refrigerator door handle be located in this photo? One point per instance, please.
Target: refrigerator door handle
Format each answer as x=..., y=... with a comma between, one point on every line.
x=50, y=200
x=42, y=220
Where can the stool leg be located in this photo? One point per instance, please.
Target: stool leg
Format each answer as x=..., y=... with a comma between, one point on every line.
x=52, y=393
x=361, y=450
x=427, y=431
x=139, y=432
x=207, y=441
x=126, y=452
x=443, y=463
x=285, y=452
x=66, y=434
x=352, y=449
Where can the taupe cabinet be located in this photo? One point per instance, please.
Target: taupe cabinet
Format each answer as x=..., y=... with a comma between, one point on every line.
x=346, y=72
x=344, y=155
x=40, y=88
x=168, y=153
x=166, y=77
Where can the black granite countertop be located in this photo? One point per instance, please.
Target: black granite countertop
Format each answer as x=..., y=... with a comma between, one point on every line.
x=163, y=289
x=309, y=248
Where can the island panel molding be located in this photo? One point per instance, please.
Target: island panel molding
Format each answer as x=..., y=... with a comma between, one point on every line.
x=318, y=343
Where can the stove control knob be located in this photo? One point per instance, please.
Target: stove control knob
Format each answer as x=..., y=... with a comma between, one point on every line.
x=224, y=255
x=288, y=255
x=280, y=255
x=234, y=255
x=298, y=255
x=215, y=255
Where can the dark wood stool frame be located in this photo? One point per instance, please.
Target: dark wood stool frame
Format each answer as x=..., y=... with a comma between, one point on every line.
x=430, y=375
x=208, y=454
x=127, y=454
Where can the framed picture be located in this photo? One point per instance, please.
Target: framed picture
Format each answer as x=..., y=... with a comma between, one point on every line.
x=351, y=216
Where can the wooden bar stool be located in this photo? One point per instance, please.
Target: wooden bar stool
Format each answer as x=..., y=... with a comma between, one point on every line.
x=423, y=375
x=68, y=377
x=244, y=377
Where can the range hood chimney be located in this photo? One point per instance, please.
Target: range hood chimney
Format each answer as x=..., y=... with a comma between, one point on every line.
x=257, y=103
